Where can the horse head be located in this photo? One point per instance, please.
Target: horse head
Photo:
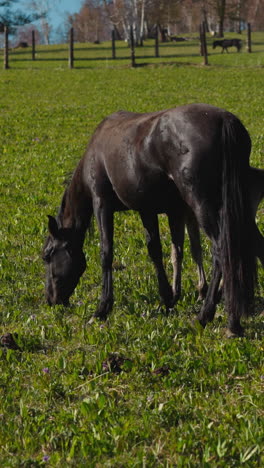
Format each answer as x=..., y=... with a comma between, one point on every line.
x=65, y=263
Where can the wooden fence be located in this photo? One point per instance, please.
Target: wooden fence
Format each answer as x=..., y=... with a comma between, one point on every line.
x=71, y=58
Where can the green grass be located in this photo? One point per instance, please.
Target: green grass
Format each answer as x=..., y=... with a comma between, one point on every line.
x=183, y=398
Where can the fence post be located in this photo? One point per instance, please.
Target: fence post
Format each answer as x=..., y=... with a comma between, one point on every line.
x=71, y=57
x=205, y=44
x=157, y=42
x=33, y=45
x=6, y=63
x=113, y=45
x=249, y=37
x=132, y=47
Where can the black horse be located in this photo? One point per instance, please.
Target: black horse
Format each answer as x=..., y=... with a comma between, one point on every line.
x=225, y=43
x=192, y=158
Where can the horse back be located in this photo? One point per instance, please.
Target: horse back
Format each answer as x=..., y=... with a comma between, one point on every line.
x=119, y=166
x=134, y=157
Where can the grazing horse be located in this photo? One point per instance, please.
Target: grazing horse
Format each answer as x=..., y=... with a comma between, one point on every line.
x=194, y=157
x=225, y=43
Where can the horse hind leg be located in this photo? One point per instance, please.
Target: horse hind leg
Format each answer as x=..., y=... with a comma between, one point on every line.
x=209, y=223
x=177, y=236
x=150, y=223
x=196, y=251
x=213, y=296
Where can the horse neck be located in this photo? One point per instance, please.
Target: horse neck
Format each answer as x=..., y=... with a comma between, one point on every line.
x=74, y=210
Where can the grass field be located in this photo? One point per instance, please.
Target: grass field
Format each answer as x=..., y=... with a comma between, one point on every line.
x=175, y=397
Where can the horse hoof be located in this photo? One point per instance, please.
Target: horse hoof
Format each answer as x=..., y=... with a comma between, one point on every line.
x=92, y=320
x=172, y=302
x=234, y=334
x=96, y=318
x=101, y=317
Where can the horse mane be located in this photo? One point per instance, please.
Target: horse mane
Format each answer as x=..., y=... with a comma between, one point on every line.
x=67, y=183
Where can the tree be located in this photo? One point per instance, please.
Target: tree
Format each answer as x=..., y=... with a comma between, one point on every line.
x=239, y=14
x=164, y=14
x=11, y=19
x=42, y=7
x=142, y=15
x=122, y=14
x=98, y=17
x=220, y=7
x=256, y=14
x=227, y=12
x=24, y=34
x=91, y=23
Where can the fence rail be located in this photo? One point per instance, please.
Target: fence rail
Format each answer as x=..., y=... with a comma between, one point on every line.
x=133, y=51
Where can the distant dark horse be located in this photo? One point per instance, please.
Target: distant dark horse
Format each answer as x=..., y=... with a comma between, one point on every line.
x=225, y=43
x=194, y=157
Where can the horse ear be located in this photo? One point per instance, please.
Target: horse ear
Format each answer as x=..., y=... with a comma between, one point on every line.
x=53, y=227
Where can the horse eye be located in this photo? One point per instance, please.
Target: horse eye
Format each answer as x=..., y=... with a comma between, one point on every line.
x=46, y=258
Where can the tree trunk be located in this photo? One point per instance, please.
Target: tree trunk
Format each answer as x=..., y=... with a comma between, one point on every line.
x=142, y=21
x=221, y=15
x=221, y=27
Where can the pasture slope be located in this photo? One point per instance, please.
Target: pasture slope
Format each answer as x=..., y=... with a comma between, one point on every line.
x=144, y=389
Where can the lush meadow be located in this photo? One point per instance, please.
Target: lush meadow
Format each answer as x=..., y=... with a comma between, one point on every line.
x=144, y=389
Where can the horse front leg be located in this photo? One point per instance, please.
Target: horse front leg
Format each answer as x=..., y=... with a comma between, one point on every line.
x=196, y=251
x=177, y=237
x=151, y=225
x=105, y=222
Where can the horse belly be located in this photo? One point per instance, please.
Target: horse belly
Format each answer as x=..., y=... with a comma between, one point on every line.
x=150, y=191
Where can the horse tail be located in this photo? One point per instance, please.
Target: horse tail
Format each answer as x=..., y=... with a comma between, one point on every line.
x=256, y=181
x=236, y=221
